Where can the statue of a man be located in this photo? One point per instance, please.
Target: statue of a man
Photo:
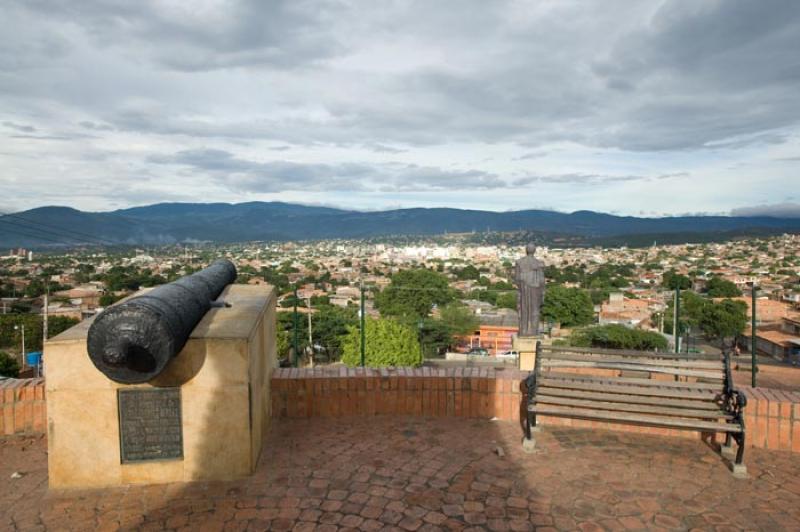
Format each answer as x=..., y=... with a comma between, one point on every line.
x=529, y=276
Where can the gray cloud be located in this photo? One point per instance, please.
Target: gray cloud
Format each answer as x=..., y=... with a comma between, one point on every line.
x=683, y=76
x=279, y=176
x=20, y=127
x=185, y=37
x=778, y=210
x=604, y=94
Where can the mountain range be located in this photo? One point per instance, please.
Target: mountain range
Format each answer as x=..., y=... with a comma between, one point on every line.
x=167, y=223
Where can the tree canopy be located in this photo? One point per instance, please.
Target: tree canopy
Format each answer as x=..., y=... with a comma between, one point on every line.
x=412, y=294
x=570, y=307
x=719, y=287
x=672, y=280
x=724, y=320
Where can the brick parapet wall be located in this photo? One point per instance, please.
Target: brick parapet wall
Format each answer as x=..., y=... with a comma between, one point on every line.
x=23, y=408
x=458, y=392
x=772, y=417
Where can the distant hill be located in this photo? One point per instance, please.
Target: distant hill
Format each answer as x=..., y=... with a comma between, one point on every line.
x=167, y=223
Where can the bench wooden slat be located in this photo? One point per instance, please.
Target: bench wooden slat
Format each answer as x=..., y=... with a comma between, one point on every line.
x=633, y=390
x=704, y=386
x=633, y=367
x=629, y=407
x=658, y=421
x=700, y=403
x=627, y=352
x=689, y=364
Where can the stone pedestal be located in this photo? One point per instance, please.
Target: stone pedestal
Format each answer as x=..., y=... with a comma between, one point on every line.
x=526, y=347
x=219, y=384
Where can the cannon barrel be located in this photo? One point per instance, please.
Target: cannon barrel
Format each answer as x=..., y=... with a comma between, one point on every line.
x=133, y=341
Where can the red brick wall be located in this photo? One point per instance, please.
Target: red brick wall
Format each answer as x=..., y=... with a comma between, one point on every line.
x=772, y=417
x=460, y=392
x=23, y=407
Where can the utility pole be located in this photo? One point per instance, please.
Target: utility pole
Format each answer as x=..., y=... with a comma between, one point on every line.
x=44, y=317
x=754, y=361
x=310, y=340
x=296, y=338
x=22, y=357
x=363, y=324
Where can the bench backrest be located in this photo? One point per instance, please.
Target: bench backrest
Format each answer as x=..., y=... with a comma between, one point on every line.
x=702, y=373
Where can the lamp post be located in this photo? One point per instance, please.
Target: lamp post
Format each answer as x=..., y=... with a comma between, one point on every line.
x=296, y=337
x=22, y=355
x=362, y=325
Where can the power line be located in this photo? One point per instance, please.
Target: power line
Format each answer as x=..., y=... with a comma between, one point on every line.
x=59, y=229
x=29, y=235
x=48, y=235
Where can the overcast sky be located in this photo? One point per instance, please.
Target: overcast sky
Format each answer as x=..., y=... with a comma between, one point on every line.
x=634, y=107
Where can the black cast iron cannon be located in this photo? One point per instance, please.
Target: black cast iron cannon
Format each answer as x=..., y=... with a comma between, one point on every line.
x=133, y=341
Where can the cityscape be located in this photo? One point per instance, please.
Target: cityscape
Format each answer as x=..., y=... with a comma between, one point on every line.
x=630, y=287
x=405, y=266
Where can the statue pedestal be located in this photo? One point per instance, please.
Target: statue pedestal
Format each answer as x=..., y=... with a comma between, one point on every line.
x=203, y=418
x=526, y=347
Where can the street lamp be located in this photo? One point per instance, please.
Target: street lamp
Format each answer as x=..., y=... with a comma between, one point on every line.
x=22, y=356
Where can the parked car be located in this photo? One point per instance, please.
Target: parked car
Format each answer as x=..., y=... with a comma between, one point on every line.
x=478, y=351
x=509, y=354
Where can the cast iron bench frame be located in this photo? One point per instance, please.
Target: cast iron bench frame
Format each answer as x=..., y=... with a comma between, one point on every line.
x=633, y=396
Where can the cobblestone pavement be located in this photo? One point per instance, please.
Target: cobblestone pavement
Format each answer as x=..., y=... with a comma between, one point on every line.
x=430, y=474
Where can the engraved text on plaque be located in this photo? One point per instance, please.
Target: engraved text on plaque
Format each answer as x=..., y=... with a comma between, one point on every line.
x=150, y=424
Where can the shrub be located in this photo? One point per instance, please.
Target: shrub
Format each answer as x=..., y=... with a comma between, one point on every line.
x=618, y=337
x=388, y=343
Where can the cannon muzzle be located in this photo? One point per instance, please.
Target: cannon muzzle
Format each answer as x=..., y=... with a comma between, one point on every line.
x=133, y=341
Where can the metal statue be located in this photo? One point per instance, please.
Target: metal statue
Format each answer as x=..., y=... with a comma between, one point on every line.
x=529, y=276
x=133, y=341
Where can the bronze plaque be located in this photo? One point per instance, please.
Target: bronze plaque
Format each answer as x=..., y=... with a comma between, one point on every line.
x=150, y=424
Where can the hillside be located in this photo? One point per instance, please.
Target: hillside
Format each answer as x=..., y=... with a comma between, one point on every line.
x=167, y=223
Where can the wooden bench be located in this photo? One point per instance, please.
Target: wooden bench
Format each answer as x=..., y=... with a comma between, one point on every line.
x=677, y=391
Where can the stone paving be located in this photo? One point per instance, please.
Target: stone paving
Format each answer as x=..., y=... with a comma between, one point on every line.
x=431, y=474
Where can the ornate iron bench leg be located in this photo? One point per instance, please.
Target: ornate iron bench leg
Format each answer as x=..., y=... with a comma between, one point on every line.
x=727, y=448
x=528, y=443
x=738, y=468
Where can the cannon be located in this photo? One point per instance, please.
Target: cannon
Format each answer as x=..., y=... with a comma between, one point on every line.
x=133, y=341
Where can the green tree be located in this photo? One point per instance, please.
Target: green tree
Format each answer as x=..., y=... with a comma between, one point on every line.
x=692, y=305
x=412, y=294
x=9, y=367
x=329, y=325
x=434, y=336
x=719, y=287
x=468, y=272
x=618, y=337
x=507, y=300
x=388, y=343
x=570, y=307
x=724, y=321
x=672, y=280
x=458, y=319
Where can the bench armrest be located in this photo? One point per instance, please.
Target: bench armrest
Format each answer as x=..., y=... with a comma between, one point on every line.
x=735, y=401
